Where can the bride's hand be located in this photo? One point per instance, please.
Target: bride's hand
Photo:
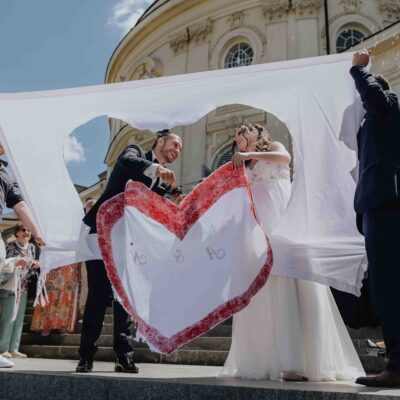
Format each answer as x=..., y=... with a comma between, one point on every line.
x=238, y=159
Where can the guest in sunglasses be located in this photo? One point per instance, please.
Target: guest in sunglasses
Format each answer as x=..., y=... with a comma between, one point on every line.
x=14, y=292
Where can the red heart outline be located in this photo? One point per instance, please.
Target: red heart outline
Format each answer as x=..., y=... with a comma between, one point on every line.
x=178, y=220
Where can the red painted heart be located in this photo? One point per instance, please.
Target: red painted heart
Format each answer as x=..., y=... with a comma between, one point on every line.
x=179, y=220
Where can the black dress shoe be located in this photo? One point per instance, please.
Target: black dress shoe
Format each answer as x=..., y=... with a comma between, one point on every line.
x=385, y=379
x=84, y=365
x=126, y=364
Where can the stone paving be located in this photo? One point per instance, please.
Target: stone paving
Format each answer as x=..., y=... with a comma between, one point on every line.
x=54, y=379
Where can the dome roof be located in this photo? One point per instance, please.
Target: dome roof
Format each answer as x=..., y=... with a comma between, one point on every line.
x=152, y=7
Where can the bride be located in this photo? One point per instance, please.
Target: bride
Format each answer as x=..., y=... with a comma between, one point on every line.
x=291, y=329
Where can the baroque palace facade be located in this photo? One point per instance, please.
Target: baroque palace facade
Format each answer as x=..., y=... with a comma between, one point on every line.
x=184, y=36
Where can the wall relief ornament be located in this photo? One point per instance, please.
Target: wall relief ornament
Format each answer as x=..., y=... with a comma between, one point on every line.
x=306, y=6
x=236, y=20
x=200, y=33
x=146, y=68
x=196, y=34
x=179, y=41
x=351, y=6
x=391, y=8
x=275, y=9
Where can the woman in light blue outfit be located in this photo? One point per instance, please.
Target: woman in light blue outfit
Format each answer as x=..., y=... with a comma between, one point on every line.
x=14, y=291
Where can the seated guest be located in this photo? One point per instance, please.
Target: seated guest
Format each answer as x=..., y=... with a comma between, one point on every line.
x=14, y=292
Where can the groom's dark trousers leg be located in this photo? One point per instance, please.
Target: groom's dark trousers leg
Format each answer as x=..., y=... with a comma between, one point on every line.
x=99, y=296
x=382, y=241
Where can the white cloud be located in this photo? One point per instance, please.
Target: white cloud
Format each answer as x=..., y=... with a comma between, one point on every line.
x=126, y=13
x=73, y=150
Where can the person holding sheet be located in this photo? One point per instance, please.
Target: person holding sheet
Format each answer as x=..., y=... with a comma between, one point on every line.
x=377, y=204
x=11, y=197
x=148, y=168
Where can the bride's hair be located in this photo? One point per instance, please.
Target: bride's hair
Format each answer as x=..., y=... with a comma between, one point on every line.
x=264, y=139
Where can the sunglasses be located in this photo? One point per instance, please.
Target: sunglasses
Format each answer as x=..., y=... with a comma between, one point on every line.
x=24, y=230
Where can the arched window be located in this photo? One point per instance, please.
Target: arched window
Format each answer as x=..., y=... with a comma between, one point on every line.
x=348, y=38
x=239, y=55
x=223, y=157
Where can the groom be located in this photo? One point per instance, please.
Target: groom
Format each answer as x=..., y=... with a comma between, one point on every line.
x=148, y=168
x=377, y=204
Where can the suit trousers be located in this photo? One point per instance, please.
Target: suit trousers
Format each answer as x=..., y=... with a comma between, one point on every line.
x=99, y=297
x=382, y=242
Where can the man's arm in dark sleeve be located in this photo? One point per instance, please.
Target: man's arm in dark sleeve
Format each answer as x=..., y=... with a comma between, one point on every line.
x=374, y=98
x=131, y=160
x=13, y=195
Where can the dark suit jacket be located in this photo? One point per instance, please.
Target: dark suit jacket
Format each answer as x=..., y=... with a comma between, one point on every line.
x=130, y=166
x=378, y=142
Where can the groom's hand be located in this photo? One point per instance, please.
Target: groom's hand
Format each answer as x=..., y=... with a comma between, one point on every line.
x=166, y=175
x=361, y=58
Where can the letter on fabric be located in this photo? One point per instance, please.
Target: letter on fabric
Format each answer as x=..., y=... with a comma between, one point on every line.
x=157, y=256
x=314, y=97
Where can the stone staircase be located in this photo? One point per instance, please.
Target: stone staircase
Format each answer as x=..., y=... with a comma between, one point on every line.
x=209, y=349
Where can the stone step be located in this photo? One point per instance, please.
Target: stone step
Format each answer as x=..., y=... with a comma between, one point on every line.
x=185, y=357
x=31, y=309
x=201, y=343
x=108, y=329
x=220, y=331
x=361, y=346
x=108, y=319
x=374, y=333
x=371, y=363
x=224, y=329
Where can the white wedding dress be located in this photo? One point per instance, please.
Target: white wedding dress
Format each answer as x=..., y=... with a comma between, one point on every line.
x=290, y=325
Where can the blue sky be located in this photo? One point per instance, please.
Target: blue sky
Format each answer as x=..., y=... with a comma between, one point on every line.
x=52, y=44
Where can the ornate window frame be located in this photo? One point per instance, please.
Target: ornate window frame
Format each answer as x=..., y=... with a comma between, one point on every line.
x=231, y=38
x=243, y=48
x=350, y=21
x=345, y=30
